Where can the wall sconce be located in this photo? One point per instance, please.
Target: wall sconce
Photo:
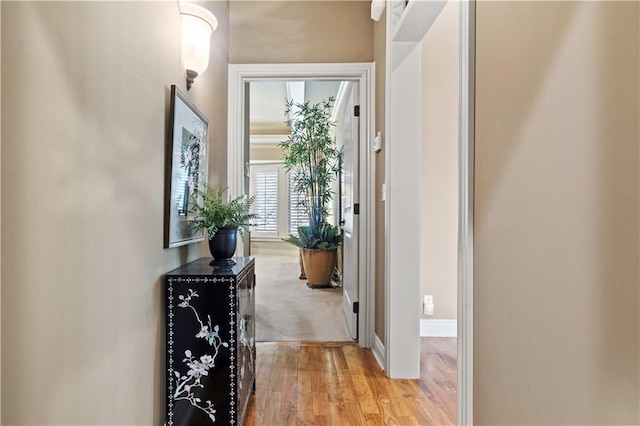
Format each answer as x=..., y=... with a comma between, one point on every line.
x=197, y=26
x=377, y=7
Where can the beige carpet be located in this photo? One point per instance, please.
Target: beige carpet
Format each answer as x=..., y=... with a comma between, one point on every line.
x=289, y=311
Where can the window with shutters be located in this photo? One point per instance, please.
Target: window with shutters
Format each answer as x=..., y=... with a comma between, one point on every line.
x=265, y=205
x=279, y=206
x=298, y=215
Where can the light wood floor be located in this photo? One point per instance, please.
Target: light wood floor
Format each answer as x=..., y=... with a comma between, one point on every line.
x=342, y=384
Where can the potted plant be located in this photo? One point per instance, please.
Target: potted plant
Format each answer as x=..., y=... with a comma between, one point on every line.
x=319, y=248
x=311, y=158
x=222, y=219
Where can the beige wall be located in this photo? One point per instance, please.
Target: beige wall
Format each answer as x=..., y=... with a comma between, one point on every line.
x=268, y=152
x=379, y=52
x=439, y=265
x=300, y=31
x=84, y=107
x=556, y=213
x=210, y=94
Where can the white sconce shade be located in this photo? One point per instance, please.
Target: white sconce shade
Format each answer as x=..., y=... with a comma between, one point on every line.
x=197, y=26
x=377, y=7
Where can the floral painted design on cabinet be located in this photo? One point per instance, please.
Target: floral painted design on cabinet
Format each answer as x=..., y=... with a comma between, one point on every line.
x=210, y=343
x=191, y=381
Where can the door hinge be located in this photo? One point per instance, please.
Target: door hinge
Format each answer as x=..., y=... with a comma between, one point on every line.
x=356, y=307
x=356, y=208
x=356, y=111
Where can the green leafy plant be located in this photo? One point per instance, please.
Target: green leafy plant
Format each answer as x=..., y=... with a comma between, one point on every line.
x=213, y=213
x=311, y=157
x=324, y=237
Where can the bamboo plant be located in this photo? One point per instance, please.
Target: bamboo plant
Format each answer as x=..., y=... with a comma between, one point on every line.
x=311, y=157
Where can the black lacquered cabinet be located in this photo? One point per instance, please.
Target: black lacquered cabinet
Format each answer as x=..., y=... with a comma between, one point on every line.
x=210, y=314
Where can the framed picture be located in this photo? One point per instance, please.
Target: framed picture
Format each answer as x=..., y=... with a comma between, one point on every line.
x=186, y=168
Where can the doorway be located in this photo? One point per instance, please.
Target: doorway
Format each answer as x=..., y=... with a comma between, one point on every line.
x=239, y=174
x=286, y=309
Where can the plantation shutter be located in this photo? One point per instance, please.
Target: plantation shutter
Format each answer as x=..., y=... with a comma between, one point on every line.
x=265, y=183
x=298, y=215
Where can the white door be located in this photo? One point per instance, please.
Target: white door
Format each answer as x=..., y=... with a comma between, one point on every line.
x=349, y=129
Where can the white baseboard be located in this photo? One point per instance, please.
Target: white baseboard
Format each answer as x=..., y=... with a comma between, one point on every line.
x=438, y=328
x=378, y=351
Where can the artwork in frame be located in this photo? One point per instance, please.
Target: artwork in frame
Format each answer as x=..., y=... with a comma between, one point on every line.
x=186, y=168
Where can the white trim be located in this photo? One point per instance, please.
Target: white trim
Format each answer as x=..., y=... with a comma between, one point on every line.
x=393, y=5
x=438, y=328
x=378, y=351
x=466, y=157
x=265, y=162
x=364, y=74
x=403, y=247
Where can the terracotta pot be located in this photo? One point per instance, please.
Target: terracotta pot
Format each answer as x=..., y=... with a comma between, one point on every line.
x=318, y=265
x=223, y=246
x=302, y=276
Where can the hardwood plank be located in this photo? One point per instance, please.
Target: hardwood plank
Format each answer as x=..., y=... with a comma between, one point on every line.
x=320, y=403
x=290, y=387
x=337, y=406
x=264, y=365
x=378, y=384
x=342, y=384
x=305, y=393
x=354, y=413
x=362, y=391
x=439, y=378
x=317, y=379
x=374, y=419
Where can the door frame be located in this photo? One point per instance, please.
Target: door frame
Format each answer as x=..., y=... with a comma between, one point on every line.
x=466, y=161
x=404, y=342
x=364, y=74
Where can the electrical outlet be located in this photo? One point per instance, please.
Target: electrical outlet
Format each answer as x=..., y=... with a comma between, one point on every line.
x=427, y=305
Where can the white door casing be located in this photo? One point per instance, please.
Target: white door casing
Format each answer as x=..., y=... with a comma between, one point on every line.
x=466, y=155
x=364, y=75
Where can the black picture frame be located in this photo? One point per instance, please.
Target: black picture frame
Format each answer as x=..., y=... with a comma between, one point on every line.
x=186, y=156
